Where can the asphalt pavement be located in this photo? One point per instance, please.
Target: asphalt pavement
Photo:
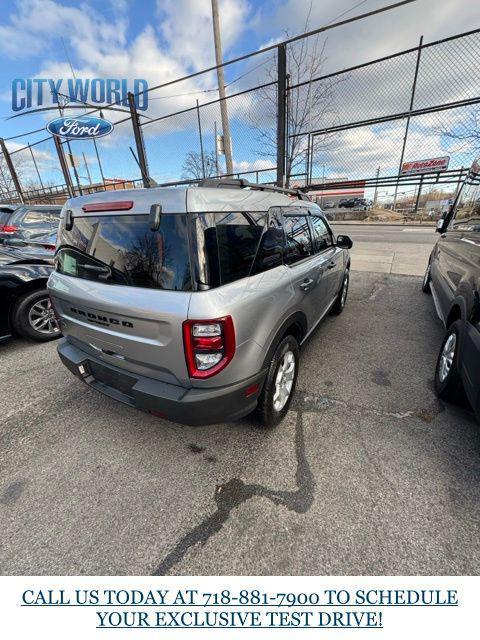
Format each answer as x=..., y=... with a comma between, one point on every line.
x=369, y=473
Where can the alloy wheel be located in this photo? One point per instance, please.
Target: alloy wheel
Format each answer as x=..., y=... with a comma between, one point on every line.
x=344, y=289
x=41, y=317
x=446, y=357
x=284, y=380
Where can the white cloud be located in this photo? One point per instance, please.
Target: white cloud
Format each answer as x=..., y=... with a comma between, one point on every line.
x=186, y=27
x=240, y=166
x=35, y=26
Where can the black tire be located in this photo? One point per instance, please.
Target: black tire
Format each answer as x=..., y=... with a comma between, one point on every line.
x=448, y=384
x=426, y=280
x=339, y=304
x=22, y=311
x=267, y=414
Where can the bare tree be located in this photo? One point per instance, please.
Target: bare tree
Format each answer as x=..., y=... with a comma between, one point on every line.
x=466, y=132
x=307, y=105
x=193, y=166
x=7, y=186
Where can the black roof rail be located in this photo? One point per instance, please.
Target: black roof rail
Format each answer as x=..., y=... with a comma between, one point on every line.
x=241, y=183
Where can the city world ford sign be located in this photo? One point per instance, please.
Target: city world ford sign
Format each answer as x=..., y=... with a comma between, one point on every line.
x=81, y=128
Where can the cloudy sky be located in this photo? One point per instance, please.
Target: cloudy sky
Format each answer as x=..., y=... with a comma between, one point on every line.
x=165, y=39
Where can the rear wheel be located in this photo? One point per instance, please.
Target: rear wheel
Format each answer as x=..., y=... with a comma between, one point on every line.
x=279, y=387
x=448, y=381
x=33, y=317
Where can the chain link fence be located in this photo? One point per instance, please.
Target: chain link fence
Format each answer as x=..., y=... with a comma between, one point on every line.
x=408, y=106
x=357, y=123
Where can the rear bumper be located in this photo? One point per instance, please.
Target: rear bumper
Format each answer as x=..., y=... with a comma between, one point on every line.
x=186, y=406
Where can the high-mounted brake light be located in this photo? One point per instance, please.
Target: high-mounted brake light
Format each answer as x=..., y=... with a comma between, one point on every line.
x=209, y=345
x=120, y=205
x=8, y=228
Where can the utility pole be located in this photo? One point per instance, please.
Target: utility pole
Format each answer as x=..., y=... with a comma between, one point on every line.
x=221, y=88
x=216, y=148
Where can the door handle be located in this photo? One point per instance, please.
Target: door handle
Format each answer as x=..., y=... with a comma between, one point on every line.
x=306, y=284
x=331, y=265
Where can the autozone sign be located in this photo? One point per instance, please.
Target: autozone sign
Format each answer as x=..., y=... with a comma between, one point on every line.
x=424, y=166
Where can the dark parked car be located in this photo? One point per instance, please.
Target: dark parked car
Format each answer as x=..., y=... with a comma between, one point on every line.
x=453, y=278
x=354, y=203
x=6, y=211
x=25, y=307
x=30, y=221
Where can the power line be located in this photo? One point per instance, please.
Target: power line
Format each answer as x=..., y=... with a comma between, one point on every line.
x=327, y=27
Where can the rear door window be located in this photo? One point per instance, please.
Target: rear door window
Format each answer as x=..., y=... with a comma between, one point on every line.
x=297, y=237
x=124, y=250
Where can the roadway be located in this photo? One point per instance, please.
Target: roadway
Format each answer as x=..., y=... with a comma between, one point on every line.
x=389, y=248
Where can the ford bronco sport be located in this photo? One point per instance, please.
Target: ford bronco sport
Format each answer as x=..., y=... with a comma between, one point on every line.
x=193, y=303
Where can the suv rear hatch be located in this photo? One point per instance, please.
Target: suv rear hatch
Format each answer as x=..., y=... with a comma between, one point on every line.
x=121, y=290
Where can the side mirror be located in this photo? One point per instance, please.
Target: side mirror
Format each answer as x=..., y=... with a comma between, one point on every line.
x=440, y=225
x=344, y=242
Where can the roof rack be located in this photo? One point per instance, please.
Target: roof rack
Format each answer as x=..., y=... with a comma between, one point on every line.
x=241, y=183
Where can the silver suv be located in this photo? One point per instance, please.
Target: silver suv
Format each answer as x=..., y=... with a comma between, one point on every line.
x=192, y=304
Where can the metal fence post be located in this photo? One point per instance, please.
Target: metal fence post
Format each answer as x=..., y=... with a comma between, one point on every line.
x=63, y=165
x=12, y=170
x=36, y=166
x=281, y=112
x=137, y=132
x=407, y=125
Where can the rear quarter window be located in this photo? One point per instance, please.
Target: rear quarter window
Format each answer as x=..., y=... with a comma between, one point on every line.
x=235, y=244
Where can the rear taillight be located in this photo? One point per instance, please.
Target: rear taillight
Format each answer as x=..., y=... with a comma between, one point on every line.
x=209, y=345
x=49, y=247
x=8, y=228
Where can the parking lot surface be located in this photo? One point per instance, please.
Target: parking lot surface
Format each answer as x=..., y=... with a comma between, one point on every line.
x=369, y=473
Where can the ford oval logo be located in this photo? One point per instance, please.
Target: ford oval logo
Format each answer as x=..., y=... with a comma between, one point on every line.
x=81, y=128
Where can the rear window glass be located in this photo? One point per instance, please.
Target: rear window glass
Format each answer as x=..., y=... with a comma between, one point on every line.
x=33, y=218
x=4, y=217
x=235, y=244
x=124, y=250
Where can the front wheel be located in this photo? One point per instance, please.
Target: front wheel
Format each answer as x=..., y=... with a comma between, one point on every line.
x=33, y=317
x=279, y=387
x=339, y=304
x=448, y=381
x=427, y=279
